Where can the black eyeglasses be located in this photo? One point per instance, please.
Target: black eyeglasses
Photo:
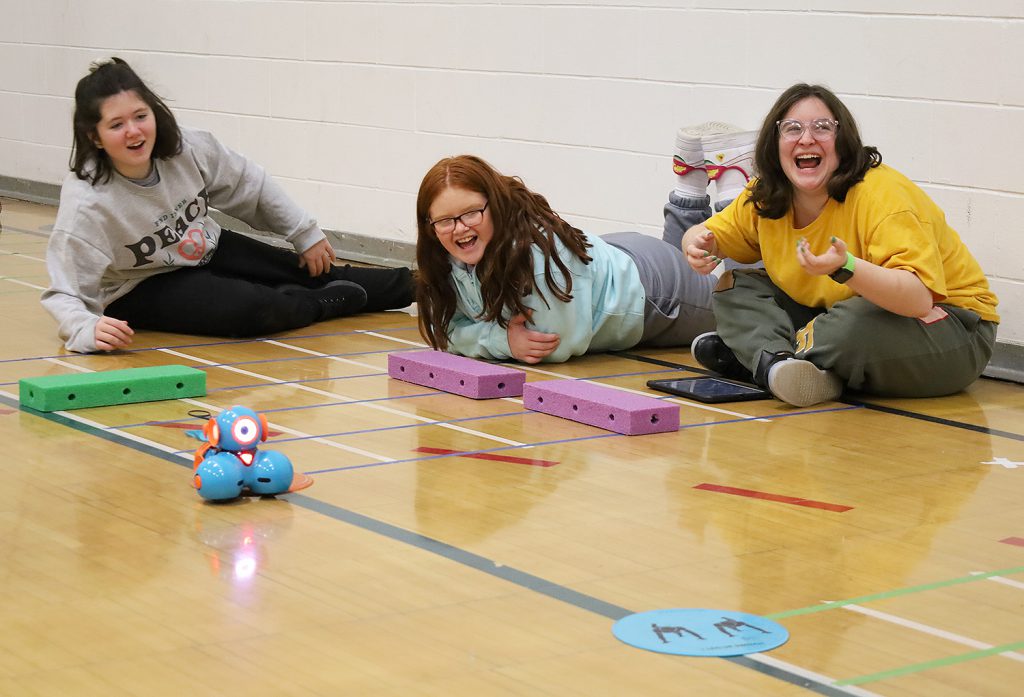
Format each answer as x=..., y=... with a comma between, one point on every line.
x=446, y=226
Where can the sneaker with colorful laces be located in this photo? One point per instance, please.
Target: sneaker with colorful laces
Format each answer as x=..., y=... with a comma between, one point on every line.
x=689, y=158
x=729, y=160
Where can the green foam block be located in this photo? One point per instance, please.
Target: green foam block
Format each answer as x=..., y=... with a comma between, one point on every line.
x=110, y=387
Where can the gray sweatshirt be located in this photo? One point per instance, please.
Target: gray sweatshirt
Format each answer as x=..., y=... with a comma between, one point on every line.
x=111, y=236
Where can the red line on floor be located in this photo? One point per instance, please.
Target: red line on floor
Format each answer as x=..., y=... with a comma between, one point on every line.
x=834, y=507
x=1019, y=541
x=489, y=456
x=197, y=427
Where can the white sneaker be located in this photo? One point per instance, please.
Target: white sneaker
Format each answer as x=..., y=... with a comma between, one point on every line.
x=708, y=128
x=688, y=162
x=729, y=161
x=803, y=384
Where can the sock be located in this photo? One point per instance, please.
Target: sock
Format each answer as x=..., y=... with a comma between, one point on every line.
x=729, y=161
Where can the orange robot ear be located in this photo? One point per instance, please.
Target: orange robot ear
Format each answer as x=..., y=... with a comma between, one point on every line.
x=199, y=455
x=210, y=430
x=266, y=429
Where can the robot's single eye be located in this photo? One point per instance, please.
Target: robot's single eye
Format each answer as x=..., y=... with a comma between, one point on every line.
x=245, y=430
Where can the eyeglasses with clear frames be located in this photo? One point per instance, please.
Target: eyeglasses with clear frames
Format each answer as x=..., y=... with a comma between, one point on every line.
x=446, y=226
x=821, y=129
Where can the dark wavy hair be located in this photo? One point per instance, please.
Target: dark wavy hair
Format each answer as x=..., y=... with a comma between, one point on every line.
x=772, y=193
x=521, y=219
x=105, y=79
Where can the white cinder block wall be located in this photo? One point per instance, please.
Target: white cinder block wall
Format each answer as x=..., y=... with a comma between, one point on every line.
x=348, y=103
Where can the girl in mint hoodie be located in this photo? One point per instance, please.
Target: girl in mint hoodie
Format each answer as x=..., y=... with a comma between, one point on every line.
x=502, y=276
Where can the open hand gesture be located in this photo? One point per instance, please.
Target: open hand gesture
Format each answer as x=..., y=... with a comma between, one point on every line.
x=821, y=264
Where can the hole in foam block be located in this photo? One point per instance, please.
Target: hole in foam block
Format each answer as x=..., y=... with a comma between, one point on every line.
x=540, y=400
x=179, y=385
x=611, y=417
x=430, y=375
x=501, y=385
x=71, y=397
x=575, y=407
x=462, y=383
x=401, y=369
x=654, y=418
x=126, y=391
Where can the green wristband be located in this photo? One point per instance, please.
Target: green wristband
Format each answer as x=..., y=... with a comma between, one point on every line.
x=845, y=272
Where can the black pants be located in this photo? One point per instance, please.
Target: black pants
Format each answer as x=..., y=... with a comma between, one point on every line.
x=234, y=294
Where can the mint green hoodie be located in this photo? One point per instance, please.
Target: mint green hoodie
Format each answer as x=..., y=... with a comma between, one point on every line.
x=606, y=312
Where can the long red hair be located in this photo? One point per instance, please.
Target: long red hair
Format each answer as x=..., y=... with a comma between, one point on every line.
x=521, y=220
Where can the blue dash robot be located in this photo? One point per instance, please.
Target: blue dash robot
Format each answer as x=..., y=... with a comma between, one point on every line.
x=229, y=463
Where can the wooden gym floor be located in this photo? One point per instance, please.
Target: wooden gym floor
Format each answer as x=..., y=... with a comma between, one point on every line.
x=458, y=547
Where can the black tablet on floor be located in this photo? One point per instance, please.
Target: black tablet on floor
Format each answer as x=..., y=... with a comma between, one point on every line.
x=710, y=389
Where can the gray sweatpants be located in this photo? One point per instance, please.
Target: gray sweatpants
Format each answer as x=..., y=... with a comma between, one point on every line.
x=678, y=305
x=872, y=350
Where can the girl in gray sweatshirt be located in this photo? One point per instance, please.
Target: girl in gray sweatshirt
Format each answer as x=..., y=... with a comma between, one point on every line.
x=135, y=247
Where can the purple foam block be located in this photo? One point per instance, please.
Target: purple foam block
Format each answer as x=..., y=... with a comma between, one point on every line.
x=456, y=374
x=604, y=407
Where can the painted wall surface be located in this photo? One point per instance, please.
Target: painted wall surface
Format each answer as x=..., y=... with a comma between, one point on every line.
x=348, y=103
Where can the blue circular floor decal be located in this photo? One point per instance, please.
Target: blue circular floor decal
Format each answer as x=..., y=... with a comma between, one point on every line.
x=700, y=632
